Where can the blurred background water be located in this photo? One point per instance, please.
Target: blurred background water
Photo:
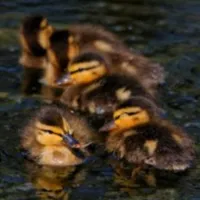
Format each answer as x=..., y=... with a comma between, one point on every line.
x=165, y=31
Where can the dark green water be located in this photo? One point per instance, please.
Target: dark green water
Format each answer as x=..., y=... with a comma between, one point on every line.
x=165, y=31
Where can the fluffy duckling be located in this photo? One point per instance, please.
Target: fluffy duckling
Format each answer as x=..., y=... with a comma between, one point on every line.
x=64, y=45
x=138, y=135
x=56, y=137
x=80, y=39
x=32, y=31
x=33, y=57
x=95, y=91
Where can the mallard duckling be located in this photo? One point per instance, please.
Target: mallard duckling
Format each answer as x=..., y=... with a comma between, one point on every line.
x=33, y=57
x=49, y=141
x=32, y=31
x=64, y=45
x=140, y=136
x=95, y=91
x=80, y=39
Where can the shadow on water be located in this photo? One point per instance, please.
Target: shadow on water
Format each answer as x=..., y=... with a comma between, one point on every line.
x=166, y=31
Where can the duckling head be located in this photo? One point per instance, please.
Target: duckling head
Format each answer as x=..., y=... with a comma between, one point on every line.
x=35, y=32
x=134, y=112
x=51, y=128
x=58, y=49
x=84, y=69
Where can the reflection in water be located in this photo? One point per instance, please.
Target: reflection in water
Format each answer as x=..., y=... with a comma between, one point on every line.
x=32, y=85
x=168, y=31
x=52, y=182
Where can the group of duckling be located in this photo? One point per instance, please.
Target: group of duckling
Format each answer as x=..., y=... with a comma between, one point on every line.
x=101, y=78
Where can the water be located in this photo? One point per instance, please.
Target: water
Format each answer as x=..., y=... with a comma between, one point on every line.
x=165, y=31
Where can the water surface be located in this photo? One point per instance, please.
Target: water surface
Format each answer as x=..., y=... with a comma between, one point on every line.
x=165, y=31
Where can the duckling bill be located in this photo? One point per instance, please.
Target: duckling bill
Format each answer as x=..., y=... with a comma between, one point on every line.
x=56, y=137
x=66, y=46
x=95, y=91
x=142, y=138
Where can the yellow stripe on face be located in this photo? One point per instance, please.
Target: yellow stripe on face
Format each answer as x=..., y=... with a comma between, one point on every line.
x=66, y=127
x=54, y=129
x=83, y=66
x=128, y=110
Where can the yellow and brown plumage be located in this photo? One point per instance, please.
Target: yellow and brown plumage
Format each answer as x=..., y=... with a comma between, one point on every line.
x=85, y=39
x=141, y=137
x=48, y=135
x=94, y=91
x=33, y=54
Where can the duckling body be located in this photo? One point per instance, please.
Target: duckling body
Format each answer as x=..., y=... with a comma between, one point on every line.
x=103, y=96
x=142, y=138
x=119, y=59
x=158, y=144
x=33, y=54
x=65, y=45
x=45, y=137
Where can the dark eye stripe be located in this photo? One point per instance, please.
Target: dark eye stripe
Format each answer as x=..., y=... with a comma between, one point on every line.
x=128, y=113
x=83, y=69
x=49, y=132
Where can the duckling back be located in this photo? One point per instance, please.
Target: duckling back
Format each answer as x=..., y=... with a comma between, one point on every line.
x=104, y=95
x=160, y=145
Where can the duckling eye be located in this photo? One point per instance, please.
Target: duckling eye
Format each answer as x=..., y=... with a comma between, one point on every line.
x=49, y=131
x=127, y=114
x=82, y=69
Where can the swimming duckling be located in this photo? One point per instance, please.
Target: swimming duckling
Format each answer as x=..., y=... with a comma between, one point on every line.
x=64, y=45
x=32, y=31
x=56, y=137
x=80, y=39
x=33, y=56
x=95, y=91
x=141, y=137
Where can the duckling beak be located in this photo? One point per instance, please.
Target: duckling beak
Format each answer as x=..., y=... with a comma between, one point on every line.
x=64, y=80
x=72, y=142
x=111, y=126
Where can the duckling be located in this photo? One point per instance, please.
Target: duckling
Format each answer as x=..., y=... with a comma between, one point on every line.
x=80, y=39
x=95, y=91
x=57, y=137
x=34, y=28
x=64, y=45
x=141, y=137
x=33, y=56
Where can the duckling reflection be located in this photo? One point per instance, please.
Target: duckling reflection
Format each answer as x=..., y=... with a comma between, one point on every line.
x=54, y=182
x=140, y=137
x=57, y=137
